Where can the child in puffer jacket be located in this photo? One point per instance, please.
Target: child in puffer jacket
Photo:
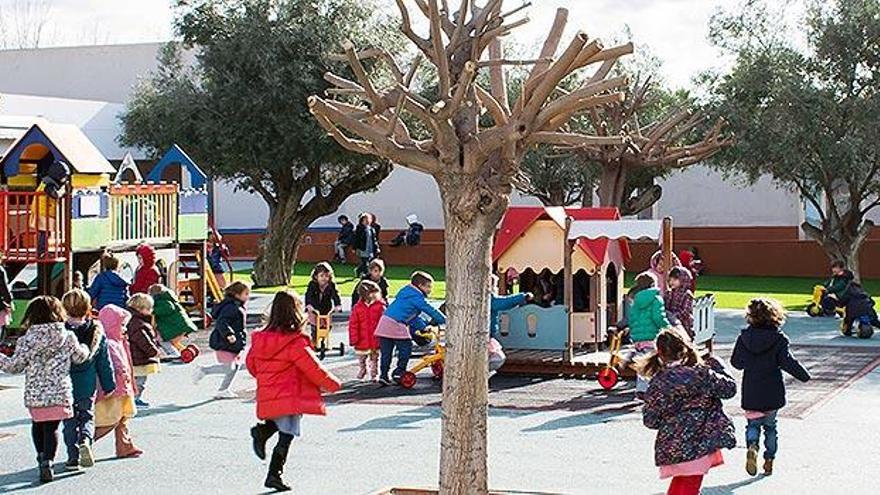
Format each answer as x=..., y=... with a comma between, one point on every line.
x=400, y=319
x=683, y=403
x=143, y=343
x=108, y=287
x=289, y=382
x=646, y=317
x=147, y=273
x=172, y=322
x=762, y=352
x=80, y=429
x=679, y=299
x=362, y=323
x=228, y=338
x=45, y=354
x=113, y=411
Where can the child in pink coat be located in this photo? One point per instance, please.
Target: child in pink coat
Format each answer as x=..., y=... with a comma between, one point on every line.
x=114, y=410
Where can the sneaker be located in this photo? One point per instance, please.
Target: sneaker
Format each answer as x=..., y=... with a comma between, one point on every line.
x=86, y=456
x=768, y=467
x=197, y=375
x=141, y=404
x=225, y=394
x=384, y=381
x=752, y=460
x=71, y=465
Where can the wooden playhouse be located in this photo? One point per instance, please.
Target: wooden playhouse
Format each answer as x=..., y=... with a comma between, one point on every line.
x=584, y=252
x=59, y=211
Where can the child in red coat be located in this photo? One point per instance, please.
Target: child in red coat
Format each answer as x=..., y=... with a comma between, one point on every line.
x=148, y=273
x=289, y=382
x=365, y=316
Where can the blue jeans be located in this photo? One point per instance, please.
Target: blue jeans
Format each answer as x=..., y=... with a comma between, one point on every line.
x=753, y=434
x=386, y=347
x=79, y=428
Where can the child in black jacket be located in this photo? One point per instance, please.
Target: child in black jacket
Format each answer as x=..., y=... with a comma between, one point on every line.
x=322, y=297
x=762, y=352
x=228, y=338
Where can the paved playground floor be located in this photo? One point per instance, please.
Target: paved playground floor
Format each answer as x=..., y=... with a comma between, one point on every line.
x=553, y=436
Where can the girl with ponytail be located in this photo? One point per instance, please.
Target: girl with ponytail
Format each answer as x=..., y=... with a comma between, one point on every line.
x=683, y=403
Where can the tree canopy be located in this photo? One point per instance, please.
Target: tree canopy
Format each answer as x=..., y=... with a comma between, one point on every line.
x=807, y=114
x=241, y=109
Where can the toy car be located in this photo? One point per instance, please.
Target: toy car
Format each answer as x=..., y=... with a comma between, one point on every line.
x=321, y=343
x=433, y=360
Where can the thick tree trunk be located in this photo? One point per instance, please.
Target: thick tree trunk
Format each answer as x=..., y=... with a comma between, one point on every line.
x=842, y=244
x=612, y=184
x=278, y=249
x=469, y=235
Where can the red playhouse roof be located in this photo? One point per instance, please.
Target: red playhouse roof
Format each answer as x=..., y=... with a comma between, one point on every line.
x=518, y=219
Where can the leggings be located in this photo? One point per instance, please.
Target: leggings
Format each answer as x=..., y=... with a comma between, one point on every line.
x=685, y=485
x=45, y=436
x=228, y=370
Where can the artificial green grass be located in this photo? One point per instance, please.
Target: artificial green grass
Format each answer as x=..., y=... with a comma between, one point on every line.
x=398, y=276
x=730, y=292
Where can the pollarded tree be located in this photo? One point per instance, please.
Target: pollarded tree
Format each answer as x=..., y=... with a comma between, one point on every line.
x=241, y=111
x=666, y=133
x=808, y=116
x=474, y=164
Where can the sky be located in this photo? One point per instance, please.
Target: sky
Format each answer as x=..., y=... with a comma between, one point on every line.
x=673, y=30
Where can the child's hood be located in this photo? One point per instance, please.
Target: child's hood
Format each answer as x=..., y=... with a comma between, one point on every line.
x=164, y=295
x=270, y=345
x=684, y=275
x=225, y=306
x=760, y=340
x=86, y=332
x=113, y=278
x=48, y=337
x=147, y=253
x=409, y=293
x=113, y=318
x=645, y=297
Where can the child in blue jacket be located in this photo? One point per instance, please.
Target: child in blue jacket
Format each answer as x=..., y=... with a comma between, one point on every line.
x=79, y=430
x=399, y=319
x=108, y=287
x=497, y=305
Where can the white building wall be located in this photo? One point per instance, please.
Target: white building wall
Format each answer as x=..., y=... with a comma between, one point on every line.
x=700, y=197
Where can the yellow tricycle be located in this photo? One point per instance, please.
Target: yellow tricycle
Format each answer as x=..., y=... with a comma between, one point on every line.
x=814, y=308
x=433, y=360
x=321, y=336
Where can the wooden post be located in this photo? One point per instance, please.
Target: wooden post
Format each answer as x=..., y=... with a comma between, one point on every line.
x=568, y=287
x=667, y=245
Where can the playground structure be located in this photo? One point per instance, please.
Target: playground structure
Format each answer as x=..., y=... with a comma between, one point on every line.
x=59, y=211
x=588, y=249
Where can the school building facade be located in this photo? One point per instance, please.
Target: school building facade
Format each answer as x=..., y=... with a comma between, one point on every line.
x=739, y=229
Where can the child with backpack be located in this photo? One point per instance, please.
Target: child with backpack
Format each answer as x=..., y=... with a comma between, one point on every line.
x=79, y=430
x=289, y=382
x=228, y=338
x=402, y=317
x=683, y=403
x=144, y=344
x=172, y=322
x=762, y=352
x=45, y=354
x=108, y=287
x=114, y=410
x=362, y=323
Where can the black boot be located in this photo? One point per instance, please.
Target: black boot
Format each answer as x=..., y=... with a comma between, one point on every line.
x=276, y=465
x=261, y=433
x=46, y=474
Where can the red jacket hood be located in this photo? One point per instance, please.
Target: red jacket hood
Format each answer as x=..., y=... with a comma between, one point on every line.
x=147, y=254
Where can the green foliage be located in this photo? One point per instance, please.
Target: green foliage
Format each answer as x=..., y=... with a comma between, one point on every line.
x=241, y=110
x=806, y=113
